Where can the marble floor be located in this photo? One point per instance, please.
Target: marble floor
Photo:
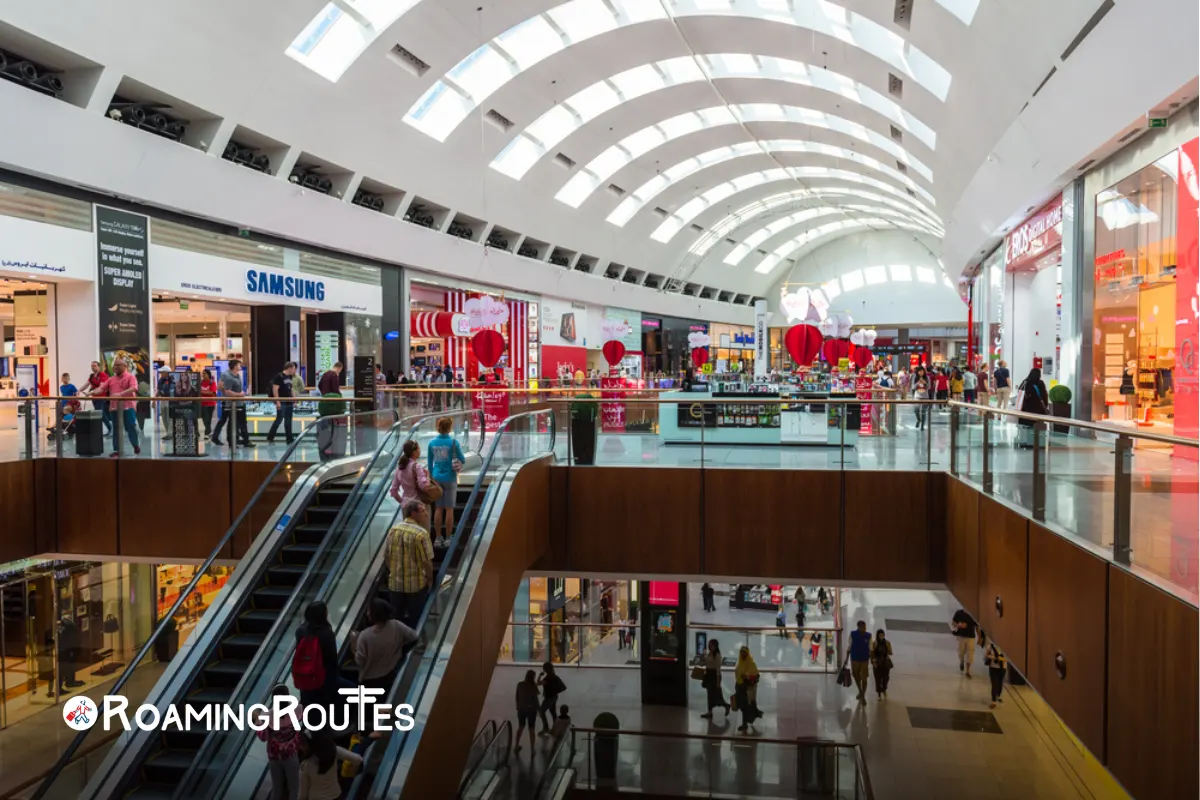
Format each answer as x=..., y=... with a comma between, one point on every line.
x=1028, y=755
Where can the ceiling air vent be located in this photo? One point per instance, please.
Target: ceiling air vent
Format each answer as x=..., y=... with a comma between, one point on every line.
x=900, y=165
x=615, y=190
x=1086, y=165
x=903, y=14
x=731, y=240
x=498, y=120
x=897, y=134
x=911, y=193
x=1049, y=75
x=1129, y=136
x=662, y=212
x=1104, y=8
x=411, y=64
x=895, y=86
x=762, y=252
x=697, y=229
x=564, y=161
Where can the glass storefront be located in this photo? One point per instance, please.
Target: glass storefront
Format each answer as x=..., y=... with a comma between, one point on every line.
x=733, y=348
x=1134, y=313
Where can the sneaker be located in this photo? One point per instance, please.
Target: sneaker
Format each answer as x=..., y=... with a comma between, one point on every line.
x=137, y=451
x=246, y=444
x=217, y=442
x=270, y=440
x=114, y=454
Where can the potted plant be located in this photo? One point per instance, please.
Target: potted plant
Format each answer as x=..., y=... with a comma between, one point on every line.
x=583, y=432
x=1060, y=406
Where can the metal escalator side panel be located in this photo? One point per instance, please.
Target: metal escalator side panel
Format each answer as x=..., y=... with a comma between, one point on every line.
x=129, y=747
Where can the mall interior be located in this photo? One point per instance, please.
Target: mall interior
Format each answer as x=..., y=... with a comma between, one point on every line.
x=783, y=344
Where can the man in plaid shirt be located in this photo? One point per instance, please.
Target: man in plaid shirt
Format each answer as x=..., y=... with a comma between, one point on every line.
x=410, y=562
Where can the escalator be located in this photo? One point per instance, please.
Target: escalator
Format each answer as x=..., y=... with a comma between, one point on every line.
x=241, y=638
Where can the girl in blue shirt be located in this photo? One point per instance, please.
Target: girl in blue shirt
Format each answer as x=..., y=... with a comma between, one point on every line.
x=445, y=459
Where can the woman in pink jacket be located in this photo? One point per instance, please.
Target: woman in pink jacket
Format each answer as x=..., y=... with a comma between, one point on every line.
x=411, y=476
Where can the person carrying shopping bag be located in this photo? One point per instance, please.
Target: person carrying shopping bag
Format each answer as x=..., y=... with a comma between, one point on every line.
x=746, y=688
x=860, y=658
x=712, y=679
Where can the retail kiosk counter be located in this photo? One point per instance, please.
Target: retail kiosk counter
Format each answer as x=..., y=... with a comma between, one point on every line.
x=806, y=419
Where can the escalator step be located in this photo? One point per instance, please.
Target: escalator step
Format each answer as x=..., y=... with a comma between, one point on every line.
x=318, y=515
x=184, y=740
x=285, y=574
x=271, y=597
x=311, y=532
x=297, y=553
x=168, y=766
x=208, y=697
x=226, y=672
x=152, y=791
x=256, y=621
x=333, y=495
x=241, y=645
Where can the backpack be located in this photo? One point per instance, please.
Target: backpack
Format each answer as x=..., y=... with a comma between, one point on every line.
x=308, y=669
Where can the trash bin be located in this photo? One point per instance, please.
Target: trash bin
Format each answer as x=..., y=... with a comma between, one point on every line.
x=89, y=433
x=818, y=770
x=604, y=748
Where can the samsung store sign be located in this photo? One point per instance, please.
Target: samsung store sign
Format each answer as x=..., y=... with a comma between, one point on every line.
x=273, y=284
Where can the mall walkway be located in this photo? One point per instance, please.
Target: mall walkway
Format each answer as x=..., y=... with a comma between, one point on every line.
x=934, y=738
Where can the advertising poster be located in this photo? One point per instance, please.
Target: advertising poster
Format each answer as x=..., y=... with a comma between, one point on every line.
x=862, y=387
x=494, y=405
x=327, y=350
x=564, y=323
x=123, y=290
x=633, y=337
x=612, y=415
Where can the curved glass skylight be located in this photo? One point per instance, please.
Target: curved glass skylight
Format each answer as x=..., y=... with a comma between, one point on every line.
x=508, y=55
x=751, y=211
x=789, y=247
x=646, y=193
x=781, y=225
x=582, y=107
x=597, y=171
x=687, y=212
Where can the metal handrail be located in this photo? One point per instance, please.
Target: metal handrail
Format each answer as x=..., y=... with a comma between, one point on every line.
x=469, y=772
x=202, y=570
x=1079, y=423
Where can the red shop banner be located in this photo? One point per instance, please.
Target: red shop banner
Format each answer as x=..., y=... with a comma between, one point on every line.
x=1037, y=241
x=1185, y=558
x=494, y=405
x=612, y=415
x=863, y=385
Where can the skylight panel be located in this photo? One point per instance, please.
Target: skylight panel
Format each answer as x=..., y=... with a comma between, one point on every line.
x=739, y=252
x=650, y=188
x=767, y=264
x=669, y=227
x=440, y=111
x=624, y=212
x=851, y=280
x=381, y=13
x=608, y=162
x=876, y=275
x=481, y=73
x=583, y=19
x=594, y=100
x=925, y=275
x=734, y=63
x=643, y=141
x=516, y=159
x=712, y=5
x=530, y=42
x=963, y=9
x=578, y=189
x=635, y=11
x=636, y=82
x=681, y=125
x=332, y=41
x=831, y=288
x=311, y=36
x=552, y=127
x=717, y=115
x=681, y=70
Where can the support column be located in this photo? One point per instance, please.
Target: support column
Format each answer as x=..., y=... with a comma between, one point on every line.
x=270, y=340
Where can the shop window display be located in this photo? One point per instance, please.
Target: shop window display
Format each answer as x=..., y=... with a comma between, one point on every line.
x=1134, y=318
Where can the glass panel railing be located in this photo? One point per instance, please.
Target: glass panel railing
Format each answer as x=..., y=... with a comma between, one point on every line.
x=518, y=440
x=290, y=477
x=487, y=766
x=229, y=765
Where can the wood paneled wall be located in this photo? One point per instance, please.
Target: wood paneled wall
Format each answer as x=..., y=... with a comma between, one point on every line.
x=162, y=508
x=1129, y=690
x=744, y=522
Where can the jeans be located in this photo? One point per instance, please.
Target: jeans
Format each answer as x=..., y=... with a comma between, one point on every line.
x=997, y=676
x=549, y=703
x=206, y=413
x=285, y=776
x=920, y=412
x=130, y=423
x=227, y=412
x=105, y=414
x=284, y=415
x=409, y=605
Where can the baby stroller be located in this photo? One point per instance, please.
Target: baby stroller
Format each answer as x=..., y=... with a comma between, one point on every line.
x=66, y=426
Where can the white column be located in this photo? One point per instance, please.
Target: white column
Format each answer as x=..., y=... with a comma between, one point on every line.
x=762, y=343
x=74, y=329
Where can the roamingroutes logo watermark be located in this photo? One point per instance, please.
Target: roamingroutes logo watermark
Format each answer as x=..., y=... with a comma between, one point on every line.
x=81, y=713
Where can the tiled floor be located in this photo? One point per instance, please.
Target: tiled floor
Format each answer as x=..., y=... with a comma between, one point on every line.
x=1031, y=757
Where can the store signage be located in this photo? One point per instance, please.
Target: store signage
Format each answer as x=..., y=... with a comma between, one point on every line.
x=123, y=290
x=259, y=281
x=651, y=323
x=30, y=266
x=327, y=350
x=1156, y=122
x=762, y=358
x=495, y=407
x=391, y=336
x=1031, y=242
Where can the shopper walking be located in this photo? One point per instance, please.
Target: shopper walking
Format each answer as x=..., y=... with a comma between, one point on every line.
x=997, y=664
x=712, y=679
x=283, y=390
x=881, y=663
x=814, y=646
x=552, y=687
x=781, y=623
x=379, y=649
x=957, y=385
x=410, y=562
x=232, y=387
x=95, y=380
x=983, y=386
x=860, y=658
x=963, y=628
x=411, y=481
x=445, y=460
x=970, y=381
x=942, y=386
x=208, y=389
x=527, y=710
x=122, y=383
x=1003, y=384
x=920, y=391
x=746, y=688
x=283, y=762
x=706, y=594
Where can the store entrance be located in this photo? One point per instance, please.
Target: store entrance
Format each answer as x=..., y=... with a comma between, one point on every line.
x=26, y=361
x=195, y=335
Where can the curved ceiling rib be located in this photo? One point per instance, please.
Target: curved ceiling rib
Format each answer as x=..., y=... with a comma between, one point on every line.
x=465, y=87
x=344, y=29
x=645, y=194
x=783, y=224
x=788, y=248
x=751, y=211
x=540, y=137
x=597, y=171
x=684, y=215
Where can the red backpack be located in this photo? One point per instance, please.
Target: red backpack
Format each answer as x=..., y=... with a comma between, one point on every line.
x=308, y=669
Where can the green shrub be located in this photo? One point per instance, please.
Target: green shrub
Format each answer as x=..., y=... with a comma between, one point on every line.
x=1060, y=394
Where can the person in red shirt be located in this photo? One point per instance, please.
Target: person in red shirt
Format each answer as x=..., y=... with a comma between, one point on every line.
x=943, y=385
x=208, y=388
x=123, y=384
x=94, y=382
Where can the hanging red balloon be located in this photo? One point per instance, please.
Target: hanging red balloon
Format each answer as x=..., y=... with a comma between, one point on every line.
x=699, y=356
x=835, y=349
x=488, y=346
x=862, y=356
x=803, y=343
x=613, y=351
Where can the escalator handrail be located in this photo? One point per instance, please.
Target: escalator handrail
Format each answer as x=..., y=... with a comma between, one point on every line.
x=458, y=535
x=488, y=727
x=501, y=758
x=200, y=572
x=343, y=557
x=551, y=770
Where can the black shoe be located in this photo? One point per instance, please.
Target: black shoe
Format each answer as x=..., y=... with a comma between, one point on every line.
x=246, y=443
x=74, y=684
x=217, y=441
x=270, y=440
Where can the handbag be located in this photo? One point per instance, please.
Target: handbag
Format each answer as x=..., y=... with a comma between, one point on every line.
x=844, y=678
x=429, y=495
x=698, y=673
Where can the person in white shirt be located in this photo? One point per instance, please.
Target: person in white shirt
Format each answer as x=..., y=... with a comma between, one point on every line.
x=970, y=381
x=319, y=767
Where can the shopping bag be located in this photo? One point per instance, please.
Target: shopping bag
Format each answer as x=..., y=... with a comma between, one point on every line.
x=698, y=673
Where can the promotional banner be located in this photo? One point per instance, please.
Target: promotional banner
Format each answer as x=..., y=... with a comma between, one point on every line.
x=862, y=388
x=762, y=353
x=632, y=339
x=123, y=288
x=494, y=405
x=564, y=323
x=562, y=362
x=612, y=415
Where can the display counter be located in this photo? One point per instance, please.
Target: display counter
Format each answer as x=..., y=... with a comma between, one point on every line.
x=807, y=421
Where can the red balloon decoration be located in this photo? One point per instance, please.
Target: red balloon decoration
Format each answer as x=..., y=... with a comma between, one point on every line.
x=862, y=356
x=613, y=351
x=488, y=346
x=699, y=356
x=835, y=349
x=803, y=343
